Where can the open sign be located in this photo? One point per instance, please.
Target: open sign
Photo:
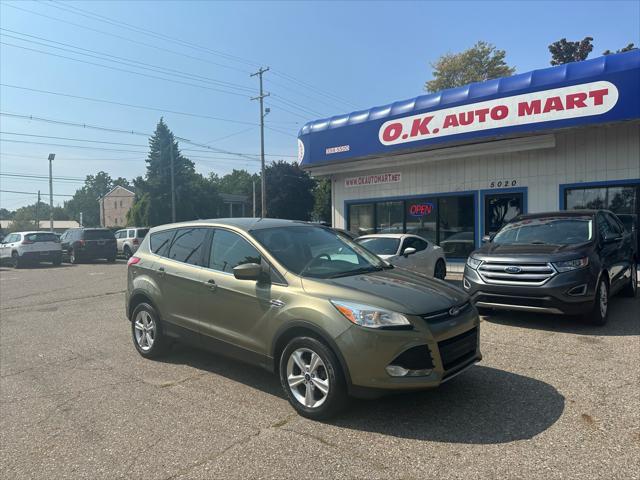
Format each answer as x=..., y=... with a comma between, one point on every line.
x=421, y=209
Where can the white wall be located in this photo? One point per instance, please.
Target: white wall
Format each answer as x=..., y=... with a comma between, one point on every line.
x=581, y=155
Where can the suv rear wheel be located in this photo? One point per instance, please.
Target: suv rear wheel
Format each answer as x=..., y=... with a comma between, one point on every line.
x=312, y=378
x=15, y=260
x=631, y=288
x=146, y=331
x=126, y=252
x=600, y=311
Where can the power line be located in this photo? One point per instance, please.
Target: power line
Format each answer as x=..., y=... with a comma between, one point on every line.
x=33, y=193
x=123, y=60
x=123, y=70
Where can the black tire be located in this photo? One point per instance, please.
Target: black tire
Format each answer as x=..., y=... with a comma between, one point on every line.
x=160, y=343
x=631, y=289
x=127, y=252
x=596, y=316
x=15, y=260
x=336, y=399
x=440, y=270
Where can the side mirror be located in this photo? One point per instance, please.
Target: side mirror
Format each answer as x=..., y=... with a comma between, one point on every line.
x=409, y=251
x=486, y=238
x=248, y=271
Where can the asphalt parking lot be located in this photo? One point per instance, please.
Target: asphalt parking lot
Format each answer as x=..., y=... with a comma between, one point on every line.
x=552, y=398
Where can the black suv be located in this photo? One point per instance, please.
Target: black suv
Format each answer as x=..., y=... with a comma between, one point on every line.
x=81, y=244
x=568, y=262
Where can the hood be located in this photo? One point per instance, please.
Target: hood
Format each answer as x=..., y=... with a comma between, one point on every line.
x=395, y=289
x=528, y=252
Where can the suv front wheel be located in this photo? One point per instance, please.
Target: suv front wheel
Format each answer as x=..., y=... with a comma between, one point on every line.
x=600, y=311
x=146, y=331
x=312, y=378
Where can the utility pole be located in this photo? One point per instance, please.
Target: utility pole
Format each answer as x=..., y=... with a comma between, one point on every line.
x=254, y=198
x=38, y=216
x=263, y=191
x=173, y=187
x=51, y=157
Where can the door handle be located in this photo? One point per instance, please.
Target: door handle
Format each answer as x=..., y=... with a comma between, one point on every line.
x=162, y=272
x=210, y=284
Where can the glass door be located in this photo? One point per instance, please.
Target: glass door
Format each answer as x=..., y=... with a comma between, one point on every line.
x=499, y=208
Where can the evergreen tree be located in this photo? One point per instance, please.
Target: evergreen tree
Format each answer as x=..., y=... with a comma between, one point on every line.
x=195, y=196
x=563, y=51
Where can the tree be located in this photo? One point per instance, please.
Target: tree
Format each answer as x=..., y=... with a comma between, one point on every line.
x=85, y=199
x=24, y=218
x=5, y=214
x=196, y=197
x=289, y=191
x=628, y=48
x=564, y=51
x=322, y=201
x=477, y=64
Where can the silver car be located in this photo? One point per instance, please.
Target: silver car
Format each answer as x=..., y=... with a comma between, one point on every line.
x=129, y=239
x=408, y=251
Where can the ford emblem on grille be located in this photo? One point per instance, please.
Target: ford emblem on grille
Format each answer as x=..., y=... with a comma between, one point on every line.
x=512, y=269
x=453, y=311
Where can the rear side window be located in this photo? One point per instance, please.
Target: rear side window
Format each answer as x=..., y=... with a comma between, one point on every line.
x=41, y=237
x=161, y=241
x=132, y=233
x=98, y=234
x=230, y=250
x=188, y=245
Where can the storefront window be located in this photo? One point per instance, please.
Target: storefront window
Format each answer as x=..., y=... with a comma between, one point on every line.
x=422, y=218
x=361, y=220
x=456, y=221
x=390, y=217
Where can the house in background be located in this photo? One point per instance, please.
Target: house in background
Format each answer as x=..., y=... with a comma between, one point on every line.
x=114, y=207
x=59, y=226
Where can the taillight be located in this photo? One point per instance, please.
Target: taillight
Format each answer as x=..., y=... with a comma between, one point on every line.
x=133, y=261
x=136, y=241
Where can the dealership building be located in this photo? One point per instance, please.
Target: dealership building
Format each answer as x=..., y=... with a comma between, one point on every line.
x=454, y=166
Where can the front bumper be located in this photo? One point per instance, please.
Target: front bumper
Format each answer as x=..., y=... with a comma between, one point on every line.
x=567, y=293
x=449, y=347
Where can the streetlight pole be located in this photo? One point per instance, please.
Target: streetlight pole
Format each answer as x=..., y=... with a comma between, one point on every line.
x=263, y=190
x=51, y=157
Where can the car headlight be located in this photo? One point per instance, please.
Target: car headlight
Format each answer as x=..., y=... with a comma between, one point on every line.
x=473, y=263
x=368, y=316
x=571, y=264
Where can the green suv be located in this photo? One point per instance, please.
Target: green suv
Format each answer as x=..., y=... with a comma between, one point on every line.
x=330, y=317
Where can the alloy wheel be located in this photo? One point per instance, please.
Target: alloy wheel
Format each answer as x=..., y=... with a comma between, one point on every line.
x=307, y=377
x=145, y=330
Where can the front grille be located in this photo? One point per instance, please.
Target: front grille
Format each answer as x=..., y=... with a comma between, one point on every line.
x=442, y=315
x=459, y=349
x=505, y=273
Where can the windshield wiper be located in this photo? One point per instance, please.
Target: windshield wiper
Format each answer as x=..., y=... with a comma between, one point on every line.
x=356, y=272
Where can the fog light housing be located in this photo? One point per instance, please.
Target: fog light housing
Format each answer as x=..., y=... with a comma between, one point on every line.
x=578, y=291
x=465, y=283
x=398, y=371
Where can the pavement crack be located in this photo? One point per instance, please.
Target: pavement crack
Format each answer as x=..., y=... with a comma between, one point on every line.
x=64, y=300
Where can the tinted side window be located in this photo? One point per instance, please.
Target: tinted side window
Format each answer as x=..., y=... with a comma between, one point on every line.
x=188, y=245
x=604, y=228
x=615, y=224
x=230, y=250
x=416, y=243
x=160, y=242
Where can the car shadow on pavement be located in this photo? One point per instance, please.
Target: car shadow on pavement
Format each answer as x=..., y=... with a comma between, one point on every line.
x=481, y=406
x=624, y=320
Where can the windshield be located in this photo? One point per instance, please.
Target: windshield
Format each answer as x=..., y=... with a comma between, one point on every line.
x=551, y=230
x=311, y=251
x=97, y=234
x=380, y=245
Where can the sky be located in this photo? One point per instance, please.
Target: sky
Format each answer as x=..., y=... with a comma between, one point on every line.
x=190, y=62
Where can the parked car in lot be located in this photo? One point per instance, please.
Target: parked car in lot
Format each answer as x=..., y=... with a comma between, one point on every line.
x=408, y=251
x=20, y=248
x=569, y=262
x=129, y=239
x=331, y=318
x=83, y=244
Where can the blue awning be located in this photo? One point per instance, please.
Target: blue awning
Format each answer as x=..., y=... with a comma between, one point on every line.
x=602, y=90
